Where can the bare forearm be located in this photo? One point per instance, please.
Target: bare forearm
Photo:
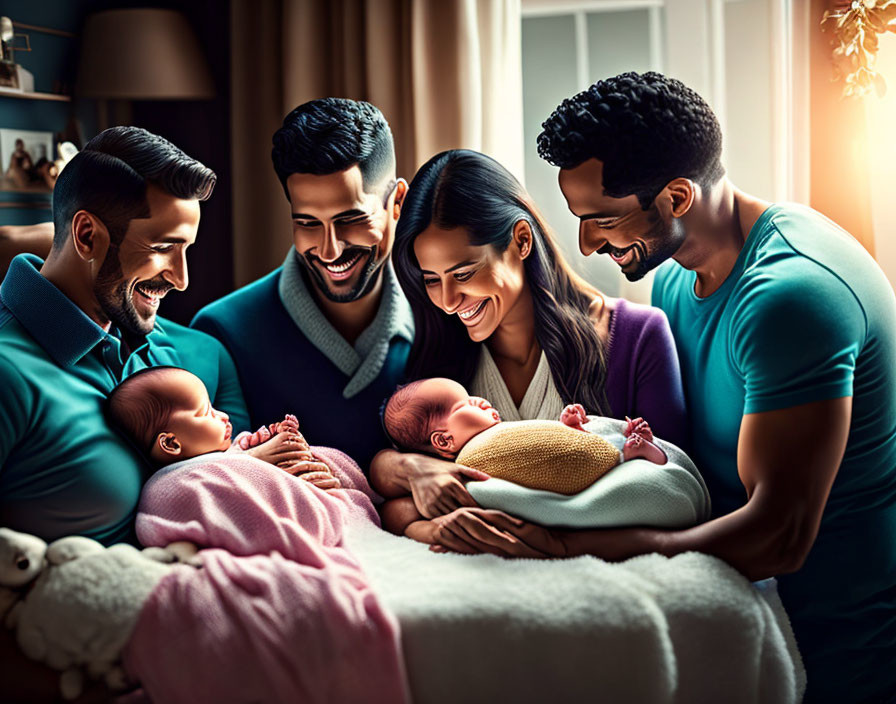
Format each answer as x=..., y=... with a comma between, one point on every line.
x=398, y=514
x=739, y=538
x=389, y=474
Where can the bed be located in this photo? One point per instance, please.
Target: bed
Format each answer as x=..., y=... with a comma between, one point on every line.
x=382, y=619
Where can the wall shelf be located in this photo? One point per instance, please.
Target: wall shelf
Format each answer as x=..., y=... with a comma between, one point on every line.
x=35, y=96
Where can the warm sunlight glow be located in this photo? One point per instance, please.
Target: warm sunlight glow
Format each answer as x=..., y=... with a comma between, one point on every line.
x=881, y=116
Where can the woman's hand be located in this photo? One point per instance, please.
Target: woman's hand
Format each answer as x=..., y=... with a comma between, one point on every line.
x=478, y=530
x=437, y=486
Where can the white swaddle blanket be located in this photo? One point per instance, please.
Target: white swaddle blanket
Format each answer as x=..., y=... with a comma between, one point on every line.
x=634, y=493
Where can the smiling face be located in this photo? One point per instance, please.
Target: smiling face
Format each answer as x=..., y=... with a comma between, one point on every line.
x=342, y=234
x=479, y=284
x=149, y=261
x=637, y=240
x=194, y=427
x=465, y=416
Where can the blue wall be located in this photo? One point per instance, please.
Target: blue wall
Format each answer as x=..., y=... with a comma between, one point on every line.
x=53, y=60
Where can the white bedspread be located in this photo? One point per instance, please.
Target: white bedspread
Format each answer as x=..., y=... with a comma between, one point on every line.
x=485, y=629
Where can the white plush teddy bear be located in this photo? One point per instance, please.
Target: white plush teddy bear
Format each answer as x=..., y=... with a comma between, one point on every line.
x=75, y=603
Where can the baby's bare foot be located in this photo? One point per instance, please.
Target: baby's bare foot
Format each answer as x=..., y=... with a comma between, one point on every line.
x=637, y=447
x=638, y=426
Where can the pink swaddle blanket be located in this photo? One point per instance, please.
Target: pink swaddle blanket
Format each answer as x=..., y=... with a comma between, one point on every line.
x=280, y=611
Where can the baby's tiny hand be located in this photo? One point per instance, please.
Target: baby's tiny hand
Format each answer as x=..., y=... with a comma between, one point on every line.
x=249, y=440
x=574, y=415
x=321, y=479
x=289, y=424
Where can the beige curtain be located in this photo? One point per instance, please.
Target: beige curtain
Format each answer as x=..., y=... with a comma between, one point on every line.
x=445, y=73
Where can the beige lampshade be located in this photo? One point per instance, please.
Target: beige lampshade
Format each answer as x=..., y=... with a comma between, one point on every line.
x=142, y=54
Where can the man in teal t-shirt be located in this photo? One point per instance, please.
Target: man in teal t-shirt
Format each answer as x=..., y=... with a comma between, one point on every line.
x=786, y=330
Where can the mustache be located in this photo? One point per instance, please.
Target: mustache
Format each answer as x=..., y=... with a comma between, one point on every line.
x=639, y=247
x=155, y=286
x=348, y=253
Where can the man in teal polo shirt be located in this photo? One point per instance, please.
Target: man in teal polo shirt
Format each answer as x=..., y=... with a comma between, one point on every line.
x=125, y=209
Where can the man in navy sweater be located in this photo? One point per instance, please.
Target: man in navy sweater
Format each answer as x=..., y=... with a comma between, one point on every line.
x=326, y=335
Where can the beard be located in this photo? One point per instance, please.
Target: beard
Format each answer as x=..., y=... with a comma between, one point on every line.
x=364, y=283
x=115, y=297
x=660, y=243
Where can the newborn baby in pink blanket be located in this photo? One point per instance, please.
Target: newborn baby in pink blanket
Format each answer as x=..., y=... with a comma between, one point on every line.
x=166, y=412
x=279, y=596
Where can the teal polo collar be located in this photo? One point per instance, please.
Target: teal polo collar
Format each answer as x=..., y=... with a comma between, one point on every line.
x=59, y=326
x=49, y=316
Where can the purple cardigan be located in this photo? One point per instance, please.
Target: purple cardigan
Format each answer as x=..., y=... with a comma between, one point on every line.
x=643, y=376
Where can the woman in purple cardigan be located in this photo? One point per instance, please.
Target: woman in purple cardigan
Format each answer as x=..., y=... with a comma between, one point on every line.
x=497, y=309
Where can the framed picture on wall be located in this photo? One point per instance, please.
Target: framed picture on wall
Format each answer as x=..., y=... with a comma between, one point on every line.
x=25, y=157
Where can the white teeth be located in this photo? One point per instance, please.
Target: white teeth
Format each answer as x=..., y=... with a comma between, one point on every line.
x=339, y=268
x=471, y=312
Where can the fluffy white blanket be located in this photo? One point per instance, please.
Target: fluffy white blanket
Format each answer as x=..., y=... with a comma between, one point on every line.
x=653, y=630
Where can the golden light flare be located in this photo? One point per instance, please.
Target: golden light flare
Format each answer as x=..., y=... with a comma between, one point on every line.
x=857, y=25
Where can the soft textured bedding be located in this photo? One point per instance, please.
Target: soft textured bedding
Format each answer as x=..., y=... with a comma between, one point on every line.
x=302, y=596
x=653, y=630
x=634, y=493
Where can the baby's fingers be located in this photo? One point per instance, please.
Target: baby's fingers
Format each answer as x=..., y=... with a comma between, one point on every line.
x=471, y=473
x=322, y=480
x=310, y=466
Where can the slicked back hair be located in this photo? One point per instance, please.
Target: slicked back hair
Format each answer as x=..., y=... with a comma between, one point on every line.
x=465, y=189
x=324, y=136
x=108, y=178
x=646, y=129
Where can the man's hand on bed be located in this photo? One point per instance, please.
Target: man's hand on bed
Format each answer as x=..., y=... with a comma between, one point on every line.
x=438, y=485
x=478, y=530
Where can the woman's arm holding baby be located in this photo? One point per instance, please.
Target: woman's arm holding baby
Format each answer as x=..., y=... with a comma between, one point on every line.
x=787, y=461
x=436, y=485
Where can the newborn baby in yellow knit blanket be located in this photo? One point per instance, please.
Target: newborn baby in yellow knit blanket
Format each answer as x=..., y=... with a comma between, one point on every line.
x=438, y=416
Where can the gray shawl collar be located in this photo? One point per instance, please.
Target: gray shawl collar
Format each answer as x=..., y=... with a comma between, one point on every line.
x=363, y=362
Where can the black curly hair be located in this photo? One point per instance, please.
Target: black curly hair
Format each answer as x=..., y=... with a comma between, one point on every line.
x=647, y=129
x=332, y=134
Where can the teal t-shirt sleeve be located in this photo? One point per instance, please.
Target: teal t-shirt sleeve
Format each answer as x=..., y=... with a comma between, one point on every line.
x=796, y=334
x=229, y=394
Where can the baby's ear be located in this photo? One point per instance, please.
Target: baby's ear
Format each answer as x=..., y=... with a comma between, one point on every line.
x=166, y=446
x=442, y=443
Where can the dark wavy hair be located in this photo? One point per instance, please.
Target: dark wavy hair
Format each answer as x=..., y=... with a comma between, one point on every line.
x=332, y=134
x=108, y=178
x=462, y=188
x=647, y=130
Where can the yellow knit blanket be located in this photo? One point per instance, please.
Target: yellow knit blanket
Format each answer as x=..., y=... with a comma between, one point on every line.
x=540, y=454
